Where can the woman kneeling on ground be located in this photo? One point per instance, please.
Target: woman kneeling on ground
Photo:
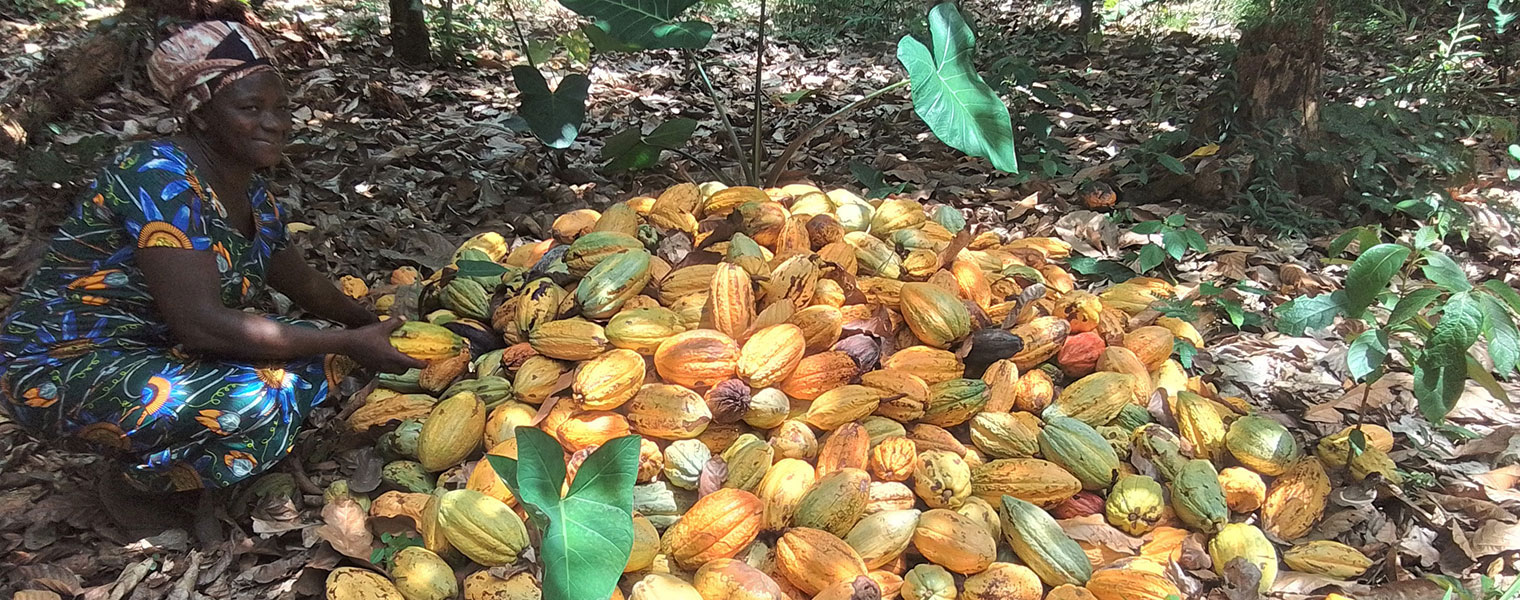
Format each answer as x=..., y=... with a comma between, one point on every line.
x=132, y=333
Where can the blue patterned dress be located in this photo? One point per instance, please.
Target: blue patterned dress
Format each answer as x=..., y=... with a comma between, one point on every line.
x=85, y=352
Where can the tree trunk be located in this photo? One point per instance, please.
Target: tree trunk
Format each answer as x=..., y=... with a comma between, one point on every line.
x=96, y=64
x=409, y=34
x=1279, y=69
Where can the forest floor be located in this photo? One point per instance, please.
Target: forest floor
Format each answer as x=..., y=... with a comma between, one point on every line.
x=392, y=166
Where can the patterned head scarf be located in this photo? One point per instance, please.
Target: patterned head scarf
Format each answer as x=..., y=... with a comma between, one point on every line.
x=190, y=67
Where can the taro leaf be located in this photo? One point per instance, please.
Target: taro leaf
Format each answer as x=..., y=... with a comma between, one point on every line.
x=1370, y=275
x=597, y=34
x=554, y=116
x=1440, y=374
x=1367, y=353
x=951, y=97
x=587, y=534
x=1304, y=313
x=646, y=24
x=630, y=150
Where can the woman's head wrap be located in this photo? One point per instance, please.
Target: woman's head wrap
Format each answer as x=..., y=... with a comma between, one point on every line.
x=190, y=67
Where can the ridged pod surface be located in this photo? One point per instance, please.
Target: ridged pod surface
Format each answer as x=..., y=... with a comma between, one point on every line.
x=1135, y=504
x=426, y=341
x=771, y=354
x=1199, y=424
x=698, y=358
x=1043, y=338
x=1005, y=435
x=1261, y=444
x=846, y=447
x=1002, y=581
x=819, y=373
x=905, y=395
x=1095, y=399
x=954, y=541
x=1079, y=449
x=1033, y=480
x=893, y=459
x=954, y=402
x=612, y=283
x=669, y=412
x=1151, y=344
x=942, y=479
x=934, y=314
x=841, y=405
x=1039, y=541
x=879, y=538
x=730, y=579
x=642, y=329
x=820, y=325
x=1335, y=450
x=420, y=574
x=538, y=303
x=794, y=280
x=1328, y=558
x=835, y=502
x=589, y=250
x=928, y=582
x=784, y=485
x=719, y=525
x=481, y=527
x=569, y=339
x=1244, y=491
x=1131, y=584
x=1296, y=500
x=452, y=432
x=748, y=460
x=812, y=559
x=1197, y=497
x=609, y=380
x=930, y=364
x=1242, y=541
x=352, y=583
x=730, y=301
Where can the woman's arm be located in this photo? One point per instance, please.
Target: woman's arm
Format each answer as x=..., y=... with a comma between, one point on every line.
x=289, y=273
x=184, y=285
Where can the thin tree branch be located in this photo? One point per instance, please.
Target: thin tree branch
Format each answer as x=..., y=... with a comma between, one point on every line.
x=807, y=134
x=521, y=39
x=757, y=152
x=733, y=137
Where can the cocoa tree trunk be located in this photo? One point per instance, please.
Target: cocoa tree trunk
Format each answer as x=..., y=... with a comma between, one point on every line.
x=409, y=33
x=1279, y=69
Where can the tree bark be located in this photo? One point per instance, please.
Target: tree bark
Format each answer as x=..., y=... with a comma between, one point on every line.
x=409, y=34
x=1279, y=70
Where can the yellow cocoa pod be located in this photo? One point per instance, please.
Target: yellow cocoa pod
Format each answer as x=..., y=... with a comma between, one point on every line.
x=954, y=541
x=1198, y=423
x=420, y=574
x=453, y=431
x=771, y=354
x=813, y=559
x=835, y=502
x=590, y=429
x=482, y=585
x=351, y=583
x=1239, y=540
x=847, y=447
x=699, y=358
x=905, y=395
x=1335, y=450
x=930, y=364
x=537, y=379
x=1328, y=558
x=481, y=527
x=646, y=544
x=662, y=586
x=881, y=537
x=1069, y=592
x=569, y=339
x=814, y=375
x=609, y=380
x=1131, y=584
x=942, y=479
x=642, y=329
x=893, y=459
x=1296, y=500
x=820, y=325
x=1003, y=581
x=783, y=486
x=730, y=579
x=668, y=412
x=748, y=460
x=719, y=525
x=730, y=301
x=1244, y=490
x=1036, y=481
x=841, y=405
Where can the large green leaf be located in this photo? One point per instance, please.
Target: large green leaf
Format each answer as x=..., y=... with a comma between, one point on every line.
x=1503, y=337
x=647, y=24
x=951, y=97
x=1304, y=313
x=1441, y=270
x=1370, y=274
x=1412, y=304
x=631, y=150
x=554, y=116
x=1441, y=372
x=1367, y=353
x=588, y=534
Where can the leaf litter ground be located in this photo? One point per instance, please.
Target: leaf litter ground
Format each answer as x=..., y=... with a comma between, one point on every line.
x=391, y=167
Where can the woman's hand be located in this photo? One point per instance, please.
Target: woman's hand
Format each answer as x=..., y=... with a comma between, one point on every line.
x=371, y=347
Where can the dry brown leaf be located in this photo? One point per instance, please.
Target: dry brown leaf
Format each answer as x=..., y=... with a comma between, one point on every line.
x=1495, y=537
x=399, y=504
x=346, y=527
x=1093, y=529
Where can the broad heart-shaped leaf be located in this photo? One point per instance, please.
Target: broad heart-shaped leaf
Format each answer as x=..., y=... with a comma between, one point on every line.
x=1370, y=275
x=647, y=24
x=587, y=534
x=1441, y=372
x=950, y=96
x=554, y=116
x=630, y=150
x=1304, y=313
x=603, y=41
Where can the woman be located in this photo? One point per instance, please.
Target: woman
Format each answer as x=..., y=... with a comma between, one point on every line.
x=132, y=333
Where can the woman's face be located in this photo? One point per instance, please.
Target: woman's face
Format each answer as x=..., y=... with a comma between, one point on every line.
x=248, y=120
